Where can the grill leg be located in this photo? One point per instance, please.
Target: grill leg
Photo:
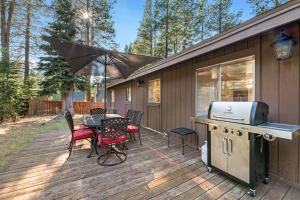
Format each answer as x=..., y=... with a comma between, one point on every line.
x=267, y=160
x=182, y=138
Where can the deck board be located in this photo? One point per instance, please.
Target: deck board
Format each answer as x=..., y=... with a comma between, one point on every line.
x=152, y=171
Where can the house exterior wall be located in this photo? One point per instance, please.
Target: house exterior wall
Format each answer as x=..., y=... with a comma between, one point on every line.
x=276, y=83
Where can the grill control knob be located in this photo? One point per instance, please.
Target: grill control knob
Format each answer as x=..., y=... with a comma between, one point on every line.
x=239, y=133
x=225, y=130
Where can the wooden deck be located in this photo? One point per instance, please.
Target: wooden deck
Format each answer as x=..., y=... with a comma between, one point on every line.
x=151, y=171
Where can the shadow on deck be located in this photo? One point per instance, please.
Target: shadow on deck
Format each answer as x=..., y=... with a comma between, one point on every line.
x=151, y=171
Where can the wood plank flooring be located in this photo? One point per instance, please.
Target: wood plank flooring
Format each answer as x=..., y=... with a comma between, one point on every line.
x=152, y=171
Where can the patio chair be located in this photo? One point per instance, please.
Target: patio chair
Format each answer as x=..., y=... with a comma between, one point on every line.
x=97, y=111
x=129, y=115
x=112, y=133
x=135, y=126
x=77, y=133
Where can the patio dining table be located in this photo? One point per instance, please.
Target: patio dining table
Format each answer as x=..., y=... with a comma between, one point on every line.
x=94, y=122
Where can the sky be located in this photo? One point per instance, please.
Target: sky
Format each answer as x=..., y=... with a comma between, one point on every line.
x=127, y=15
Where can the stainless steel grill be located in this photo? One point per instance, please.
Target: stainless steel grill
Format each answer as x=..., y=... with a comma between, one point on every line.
x=238, y=135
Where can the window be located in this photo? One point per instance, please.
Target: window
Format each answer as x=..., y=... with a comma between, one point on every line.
x=128, y=94
x=230, y=81
x=154, y=91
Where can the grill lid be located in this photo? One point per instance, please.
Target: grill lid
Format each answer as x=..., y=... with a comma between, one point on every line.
x=253, y=113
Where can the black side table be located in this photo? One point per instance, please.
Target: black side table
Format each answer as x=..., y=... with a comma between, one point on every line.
x=183, y=132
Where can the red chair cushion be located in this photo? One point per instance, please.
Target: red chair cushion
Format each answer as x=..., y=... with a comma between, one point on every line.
x=107, y=141
x=82, y=134
x=133, y=129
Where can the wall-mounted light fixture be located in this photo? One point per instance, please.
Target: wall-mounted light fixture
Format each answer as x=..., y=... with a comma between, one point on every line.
x=140, y=83
x=283, y=46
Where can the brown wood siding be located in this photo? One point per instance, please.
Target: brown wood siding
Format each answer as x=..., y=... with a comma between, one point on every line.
x=276, y=83
x=280, y=89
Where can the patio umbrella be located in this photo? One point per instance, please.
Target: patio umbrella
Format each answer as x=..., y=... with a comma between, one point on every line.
x=87, y=60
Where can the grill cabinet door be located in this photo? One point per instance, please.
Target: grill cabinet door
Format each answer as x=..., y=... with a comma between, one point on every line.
x=219, y=149
x=239, y=156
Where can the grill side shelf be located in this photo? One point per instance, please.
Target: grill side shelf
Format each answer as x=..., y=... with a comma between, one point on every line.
x=284, y=131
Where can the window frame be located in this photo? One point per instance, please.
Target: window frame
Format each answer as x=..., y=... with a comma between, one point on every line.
x=152, y=80
x=112, y=98
x=127, y=96
x=219, y=66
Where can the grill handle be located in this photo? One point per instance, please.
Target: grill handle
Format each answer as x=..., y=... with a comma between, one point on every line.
x=225, y=146
x=231, y=118
x=229, y=147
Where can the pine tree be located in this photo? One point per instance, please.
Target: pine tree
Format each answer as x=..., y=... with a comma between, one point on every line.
x=201, y=25
x=162, y=15
x=95, y=22
x=261, y=6
x=58, y=75
x=221, y=17
x=128, y=48
x=144, y=42
x=7, y=12
x=185, y=19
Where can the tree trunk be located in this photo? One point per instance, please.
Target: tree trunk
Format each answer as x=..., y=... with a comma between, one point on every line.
x=220, y=17
x=167, y=30
x=5, y=28
x=67, y=100
x=27, y=38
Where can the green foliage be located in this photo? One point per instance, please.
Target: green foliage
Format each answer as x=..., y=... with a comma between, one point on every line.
x=220, y=16
x=128, y=48
x=15, y=94
x=98, y=28
x=169, y=26
x=58, y=75
x=261, y=6
x=144, y=42
x=10, y=89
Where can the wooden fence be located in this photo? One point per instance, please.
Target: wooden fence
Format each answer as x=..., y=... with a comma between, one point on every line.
x=39, y=107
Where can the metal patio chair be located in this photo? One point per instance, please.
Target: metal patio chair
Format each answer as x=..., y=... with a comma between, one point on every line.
x=77, y=133
x=112, y=133
x=129, y=115
x=97, y=111
x=135, y=125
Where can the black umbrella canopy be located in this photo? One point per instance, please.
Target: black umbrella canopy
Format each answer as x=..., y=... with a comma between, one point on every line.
x=87, y=60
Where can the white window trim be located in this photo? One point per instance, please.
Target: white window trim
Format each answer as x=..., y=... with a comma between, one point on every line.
x=129, y=96
x=218, y=65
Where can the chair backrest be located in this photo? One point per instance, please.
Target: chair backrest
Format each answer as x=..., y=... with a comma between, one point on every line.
x=97, y=111
x=137, y=117
x=129, y=114
x=113, y=127
x=70, y=121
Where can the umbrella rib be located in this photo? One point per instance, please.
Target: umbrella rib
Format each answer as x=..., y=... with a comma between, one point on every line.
x=134, y=69
x=127, y=64
x=117, y=66
x=82, y=56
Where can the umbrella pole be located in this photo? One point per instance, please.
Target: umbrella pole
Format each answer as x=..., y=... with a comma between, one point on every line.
x=105, y=84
